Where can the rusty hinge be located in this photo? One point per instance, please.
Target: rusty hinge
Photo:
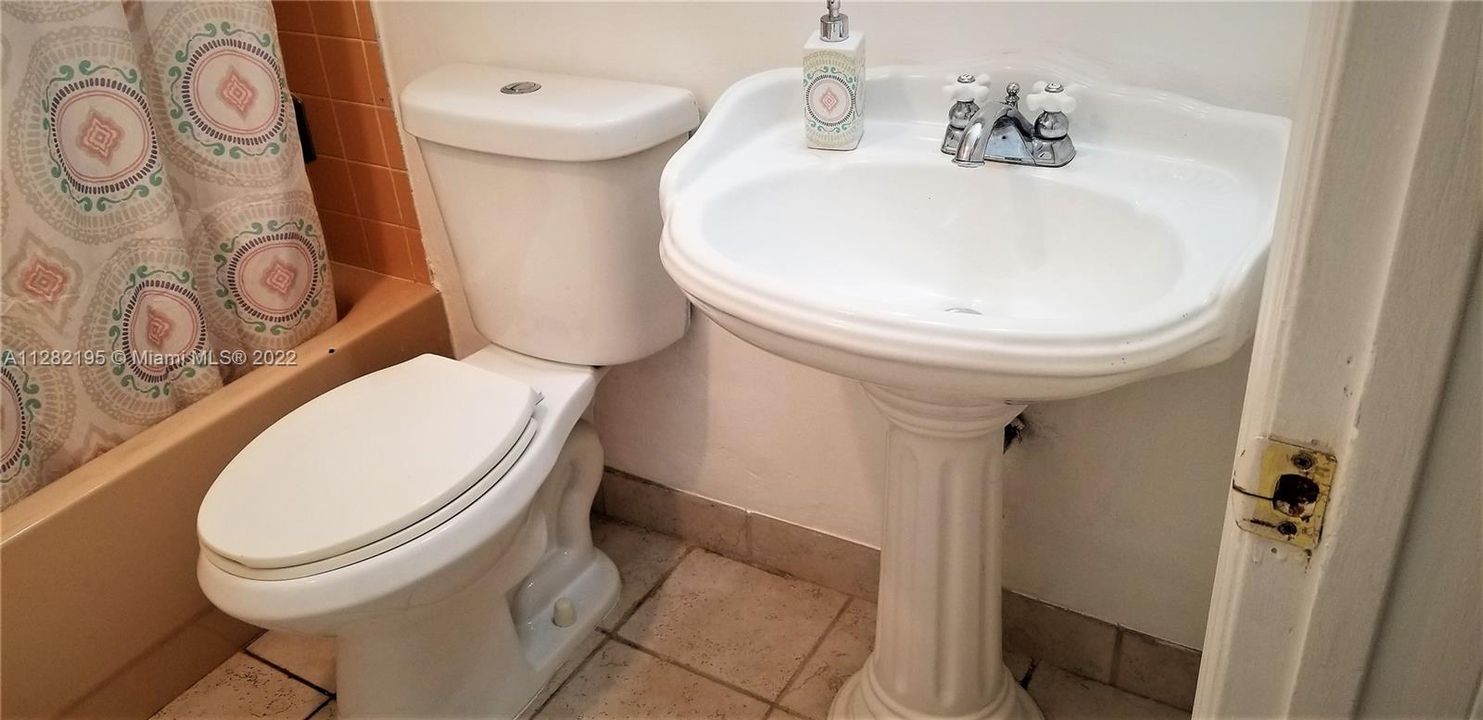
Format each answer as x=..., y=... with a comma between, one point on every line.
x=1283, y=498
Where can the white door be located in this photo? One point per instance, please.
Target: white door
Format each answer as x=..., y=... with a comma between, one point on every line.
x=1368, y=350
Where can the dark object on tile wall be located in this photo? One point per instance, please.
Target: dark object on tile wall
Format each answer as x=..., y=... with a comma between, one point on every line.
x=306, y=140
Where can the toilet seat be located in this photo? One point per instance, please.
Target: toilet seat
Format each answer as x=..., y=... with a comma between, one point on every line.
x=412, y=446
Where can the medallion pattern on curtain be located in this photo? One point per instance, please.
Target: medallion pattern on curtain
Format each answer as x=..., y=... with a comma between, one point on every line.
x=158, y=232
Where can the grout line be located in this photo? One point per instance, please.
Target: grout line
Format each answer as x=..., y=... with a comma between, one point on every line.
x=631, y=476
x=380, y=140
x=815, y=649
x=342, y=213
x=606, y=638
x=286, y=671
x=1029, y=673
x=318, y=707
x=1117, y=656
x=331, y=98
x=363, y=163
x=352, y=161
x=329, y=107
x=724, y=683
x=652, y=591
x=749, y=547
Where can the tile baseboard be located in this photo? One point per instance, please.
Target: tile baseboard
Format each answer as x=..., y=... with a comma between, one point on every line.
x=1099, y=650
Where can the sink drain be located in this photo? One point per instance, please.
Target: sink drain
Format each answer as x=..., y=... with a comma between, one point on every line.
x=523, y=87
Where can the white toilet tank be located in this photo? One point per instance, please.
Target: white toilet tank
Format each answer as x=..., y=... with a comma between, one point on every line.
x=549, y=187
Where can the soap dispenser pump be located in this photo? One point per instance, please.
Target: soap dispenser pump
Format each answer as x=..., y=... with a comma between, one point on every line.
x=833, y=83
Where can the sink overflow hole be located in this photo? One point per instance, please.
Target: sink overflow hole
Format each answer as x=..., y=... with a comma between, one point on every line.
x=963, y=311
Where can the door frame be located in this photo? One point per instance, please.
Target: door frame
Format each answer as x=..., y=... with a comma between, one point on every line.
x=1372, y=259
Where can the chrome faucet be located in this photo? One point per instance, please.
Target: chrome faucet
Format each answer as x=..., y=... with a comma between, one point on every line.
x=977, y=132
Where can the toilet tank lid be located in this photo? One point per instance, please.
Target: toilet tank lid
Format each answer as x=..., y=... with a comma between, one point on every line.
x=572, y=119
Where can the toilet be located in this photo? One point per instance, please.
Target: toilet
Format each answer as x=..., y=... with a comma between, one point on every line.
x=433, y=516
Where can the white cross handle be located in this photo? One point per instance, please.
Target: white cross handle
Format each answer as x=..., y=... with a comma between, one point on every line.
x=1049, y=97
x=967, y=88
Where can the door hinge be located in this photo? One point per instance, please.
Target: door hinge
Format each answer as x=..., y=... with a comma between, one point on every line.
x=1284, y=495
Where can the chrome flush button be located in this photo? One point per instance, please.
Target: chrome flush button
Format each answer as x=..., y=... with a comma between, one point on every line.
x=520, y=88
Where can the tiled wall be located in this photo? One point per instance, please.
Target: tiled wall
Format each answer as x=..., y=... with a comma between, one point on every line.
x=333, y=62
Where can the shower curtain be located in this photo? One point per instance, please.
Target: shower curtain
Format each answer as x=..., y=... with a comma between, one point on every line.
x=158, y=236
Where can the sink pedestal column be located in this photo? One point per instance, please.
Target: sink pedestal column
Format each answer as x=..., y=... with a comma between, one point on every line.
x=938, y=652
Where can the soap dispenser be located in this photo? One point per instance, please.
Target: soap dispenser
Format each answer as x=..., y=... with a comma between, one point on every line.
x=833, y=83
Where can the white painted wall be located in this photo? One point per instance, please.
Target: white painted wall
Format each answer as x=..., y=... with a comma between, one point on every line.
x=1115, y=503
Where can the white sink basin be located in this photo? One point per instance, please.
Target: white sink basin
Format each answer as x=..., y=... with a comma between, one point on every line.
x=957, y=295
x=891, y=265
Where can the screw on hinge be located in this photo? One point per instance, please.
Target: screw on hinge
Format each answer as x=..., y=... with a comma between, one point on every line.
x=1302, y=461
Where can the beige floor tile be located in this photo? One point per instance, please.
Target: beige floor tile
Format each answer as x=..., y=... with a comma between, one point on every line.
x=1058, y=636
x=623, y=683
x=781, y=714
x=841, y=654
x=1156, y=669
x=642, y=556
x=244, y=687
x=578, y=657
x=328, y=711
x=311, y=658
x=742, y=625
x=1063, y=696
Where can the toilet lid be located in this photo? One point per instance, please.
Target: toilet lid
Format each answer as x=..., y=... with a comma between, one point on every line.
x=362, y=462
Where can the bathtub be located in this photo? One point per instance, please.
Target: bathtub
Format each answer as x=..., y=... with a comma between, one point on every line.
x=100, y=615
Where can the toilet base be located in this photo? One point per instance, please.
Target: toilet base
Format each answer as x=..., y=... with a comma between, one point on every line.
x=488, y=649
x=469, y=658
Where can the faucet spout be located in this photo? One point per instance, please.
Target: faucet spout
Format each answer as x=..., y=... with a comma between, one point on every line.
x=972, y=142
x=1004, y=137
x=1001, y=134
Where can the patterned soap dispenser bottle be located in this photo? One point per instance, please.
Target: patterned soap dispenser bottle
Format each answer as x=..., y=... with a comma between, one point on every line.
x=834, y=83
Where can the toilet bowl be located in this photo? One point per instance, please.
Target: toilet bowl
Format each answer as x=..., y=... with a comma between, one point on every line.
x=456, y=614
x=433, y=516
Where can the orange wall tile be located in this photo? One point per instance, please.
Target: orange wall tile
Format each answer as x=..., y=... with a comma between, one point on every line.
x=333, y=62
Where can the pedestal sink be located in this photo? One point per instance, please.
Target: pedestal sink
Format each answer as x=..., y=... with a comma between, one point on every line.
x=957, y=296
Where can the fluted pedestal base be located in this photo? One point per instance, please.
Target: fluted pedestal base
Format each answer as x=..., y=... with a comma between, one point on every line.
x=938, y=652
